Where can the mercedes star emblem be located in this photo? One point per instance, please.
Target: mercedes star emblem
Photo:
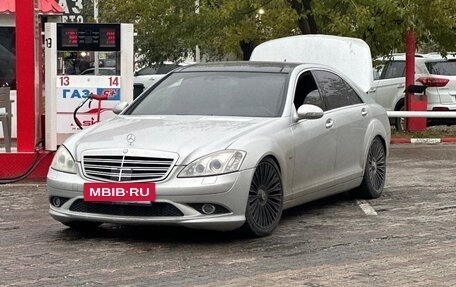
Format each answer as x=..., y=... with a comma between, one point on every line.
x=131, y=138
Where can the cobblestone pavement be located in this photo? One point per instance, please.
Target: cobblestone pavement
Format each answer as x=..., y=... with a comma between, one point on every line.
x=332, y=242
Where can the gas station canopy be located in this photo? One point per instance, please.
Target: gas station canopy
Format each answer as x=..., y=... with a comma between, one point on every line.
x=47, y=7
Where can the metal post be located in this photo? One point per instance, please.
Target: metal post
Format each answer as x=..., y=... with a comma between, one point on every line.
x=413, y=102
x=197, y=49
x=25, y=75
x=95, y=55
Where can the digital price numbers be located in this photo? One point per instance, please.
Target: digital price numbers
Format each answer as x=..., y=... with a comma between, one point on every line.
x=88, y=37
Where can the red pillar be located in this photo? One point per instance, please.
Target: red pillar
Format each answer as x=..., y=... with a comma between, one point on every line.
x=413, y=102
x=25, y=75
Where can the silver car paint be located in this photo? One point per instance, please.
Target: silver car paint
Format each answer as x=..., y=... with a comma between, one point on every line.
x=306, y=152
x=189, y=136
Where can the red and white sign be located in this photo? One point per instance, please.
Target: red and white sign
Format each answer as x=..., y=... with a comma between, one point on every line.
x=65, y=92
x=72, y=90
x=119, y=192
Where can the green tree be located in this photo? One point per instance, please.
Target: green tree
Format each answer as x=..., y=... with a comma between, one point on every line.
x=237, y=26
x=87, y=11
x=383, y=24
x=165, y=28
x=306, y=18
x=170, y=29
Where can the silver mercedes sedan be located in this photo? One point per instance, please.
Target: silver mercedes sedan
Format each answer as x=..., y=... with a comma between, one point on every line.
x=224, y=146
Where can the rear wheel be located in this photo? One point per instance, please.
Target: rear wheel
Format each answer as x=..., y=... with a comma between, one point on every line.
x=265, y=201
x=374, y=171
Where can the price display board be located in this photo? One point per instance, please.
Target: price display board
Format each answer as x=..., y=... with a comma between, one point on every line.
x=88, y=37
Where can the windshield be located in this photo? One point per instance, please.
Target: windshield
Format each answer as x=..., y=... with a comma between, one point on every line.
x=245, y=94
x=447, y=68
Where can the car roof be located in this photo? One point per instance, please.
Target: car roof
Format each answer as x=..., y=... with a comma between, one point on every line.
x=434, y=56
x=241, y=66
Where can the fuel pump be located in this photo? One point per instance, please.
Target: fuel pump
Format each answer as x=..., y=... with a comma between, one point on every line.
x=91, y=97
x=71, y=75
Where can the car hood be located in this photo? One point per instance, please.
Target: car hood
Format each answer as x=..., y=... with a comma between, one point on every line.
x=350, y=56
x=189, y=137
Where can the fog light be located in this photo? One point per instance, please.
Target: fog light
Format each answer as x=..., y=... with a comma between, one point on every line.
x=208, y=208
x=56, y=201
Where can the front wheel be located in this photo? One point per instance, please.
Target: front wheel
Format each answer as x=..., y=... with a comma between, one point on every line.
x=374, y=171
x=401, y=122
x=265, y=201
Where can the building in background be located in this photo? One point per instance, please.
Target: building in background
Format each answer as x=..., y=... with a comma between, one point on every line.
x=72, y=11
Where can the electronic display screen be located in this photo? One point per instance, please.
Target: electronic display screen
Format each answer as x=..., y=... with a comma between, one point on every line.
x=70, y=37
x=108, y=37
x=88, y=37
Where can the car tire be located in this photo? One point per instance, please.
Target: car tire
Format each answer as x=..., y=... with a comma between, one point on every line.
x=82, y=225
x=400, y=122
x=265, y=200
x=374, y=172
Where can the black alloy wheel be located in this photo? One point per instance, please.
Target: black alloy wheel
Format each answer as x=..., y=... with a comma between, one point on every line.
x=265, y=201
x=401, y=122
x=375, y=171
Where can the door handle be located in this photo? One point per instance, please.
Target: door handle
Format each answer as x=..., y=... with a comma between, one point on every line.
x=364, y=112
x=329, y=123
x=371, y=91
x=401, y=86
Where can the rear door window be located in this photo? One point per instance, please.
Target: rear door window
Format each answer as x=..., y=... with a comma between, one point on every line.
x=336, y=92
x=445, y=68
x=393, y=69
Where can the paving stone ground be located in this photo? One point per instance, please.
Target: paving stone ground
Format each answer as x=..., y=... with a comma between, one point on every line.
x=332, y=242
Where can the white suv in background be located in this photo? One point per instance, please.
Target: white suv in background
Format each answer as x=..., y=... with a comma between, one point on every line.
x=431, y=70
x=147, y=76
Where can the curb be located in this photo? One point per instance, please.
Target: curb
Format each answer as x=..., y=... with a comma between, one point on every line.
x=423, y=140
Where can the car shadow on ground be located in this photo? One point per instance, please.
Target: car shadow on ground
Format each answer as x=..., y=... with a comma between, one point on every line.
x=318, y=206
x=132, y=233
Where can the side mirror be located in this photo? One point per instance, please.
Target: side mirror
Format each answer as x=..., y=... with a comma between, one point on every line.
x=309, y=112
x=415, y=89
x=117, y=109
x=135, y=74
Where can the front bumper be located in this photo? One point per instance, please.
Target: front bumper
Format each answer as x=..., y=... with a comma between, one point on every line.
x=229, y=191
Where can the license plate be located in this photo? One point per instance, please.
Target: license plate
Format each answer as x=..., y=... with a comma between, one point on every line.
x=120, y=192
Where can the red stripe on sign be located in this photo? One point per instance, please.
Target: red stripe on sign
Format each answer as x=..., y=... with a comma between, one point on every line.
x=119, y=192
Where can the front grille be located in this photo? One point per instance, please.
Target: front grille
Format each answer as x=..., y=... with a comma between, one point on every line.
x=155, y=209
x=126, y=168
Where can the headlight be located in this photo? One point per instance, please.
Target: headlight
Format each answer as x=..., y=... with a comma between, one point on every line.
x=214, y=164
x=63, y=161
